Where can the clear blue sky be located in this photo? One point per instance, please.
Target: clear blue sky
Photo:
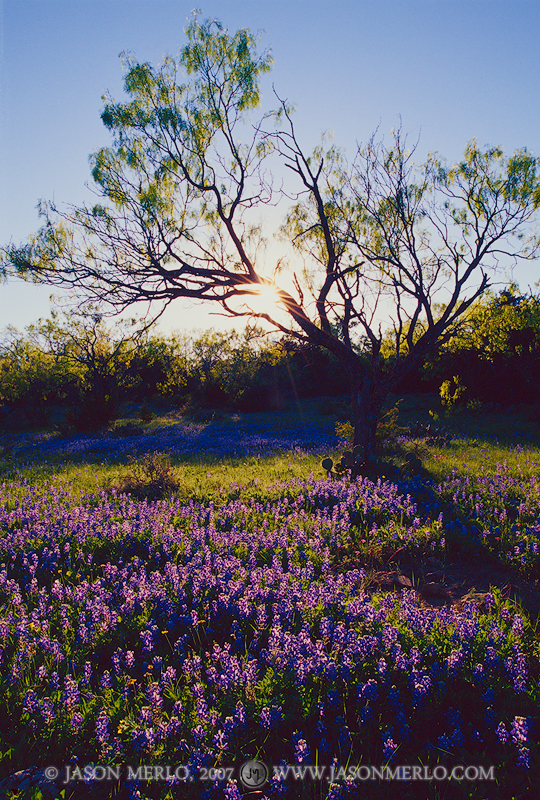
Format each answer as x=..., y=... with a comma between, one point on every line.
x=452, y=69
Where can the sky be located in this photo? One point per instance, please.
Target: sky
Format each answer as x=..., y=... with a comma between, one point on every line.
x=450, y=70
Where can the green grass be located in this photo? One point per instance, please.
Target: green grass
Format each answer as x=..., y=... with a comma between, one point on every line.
x=485, y=438
x=198, y=477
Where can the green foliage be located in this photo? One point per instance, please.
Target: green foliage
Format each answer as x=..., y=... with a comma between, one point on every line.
x=235, y=78
x=451, y=392
x=31, y=380
x=158, y=367
x=168, y=130
x=388, y=427
x=345, y=431
x=495, y=351
x=505, y=324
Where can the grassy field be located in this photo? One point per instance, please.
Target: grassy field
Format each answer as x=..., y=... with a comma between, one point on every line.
x=183, y=597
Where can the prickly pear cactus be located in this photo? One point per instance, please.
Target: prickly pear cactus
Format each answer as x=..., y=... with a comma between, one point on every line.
x=351, y=461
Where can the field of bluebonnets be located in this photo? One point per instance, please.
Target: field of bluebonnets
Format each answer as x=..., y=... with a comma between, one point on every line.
x=198, y=595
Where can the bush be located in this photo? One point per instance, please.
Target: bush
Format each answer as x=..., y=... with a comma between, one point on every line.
x=452, y=391
x=151, y=478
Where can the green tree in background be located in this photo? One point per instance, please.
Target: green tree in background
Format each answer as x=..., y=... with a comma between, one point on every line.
x=383, y=240
x=99, y=355
x=32, y=381
x=75, y=361
x=496, y=351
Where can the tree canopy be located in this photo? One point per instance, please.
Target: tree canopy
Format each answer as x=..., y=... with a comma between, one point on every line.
x=381, y=241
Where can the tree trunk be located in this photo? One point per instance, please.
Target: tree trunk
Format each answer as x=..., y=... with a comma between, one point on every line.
x=368, y=396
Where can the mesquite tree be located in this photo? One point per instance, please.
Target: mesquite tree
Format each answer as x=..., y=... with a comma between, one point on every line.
x=384, y=242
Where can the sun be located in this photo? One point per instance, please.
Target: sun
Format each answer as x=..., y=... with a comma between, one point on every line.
x=265, y=299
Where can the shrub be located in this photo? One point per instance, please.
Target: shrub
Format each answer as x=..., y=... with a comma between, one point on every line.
x=151, y=478
x=451, y=392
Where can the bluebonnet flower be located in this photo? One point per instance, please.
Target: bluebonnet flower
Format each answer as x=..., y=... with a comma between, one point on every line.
x=524, y=758
x=270, y=717
x=517, y=667
x=389, y=746
x=478, y=671
x=30, y=702
x=115, y=658
x=326, y=627
x=421, y=683
x=489, y=716
x=454, y=661
x=146, y=716
x=231, y=791
x=153, y=693
x=277, y=781
x=46, y=707
x=501, y=732
x=401, y=661
x=444, y=744
x=76, y=722
x=191, y=566
x=89, y=774
x=71, y=695
x=147, y=640
x=169, y=676
x=491, y=658
x=344, y=733
x=335, y=792
x=382, y=667
x=220, y=741
x=105, y=680
x=370, y=690
x=517, y=625
x=102, y=727
x=519, y=730
x=301, y=750
x=240, y=714
x=199, y=733
x=87, y=674
x=454, y=717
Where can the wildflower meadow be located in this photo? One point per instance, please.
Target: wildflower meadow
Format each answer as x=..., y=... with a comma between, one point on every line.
x=226, y=638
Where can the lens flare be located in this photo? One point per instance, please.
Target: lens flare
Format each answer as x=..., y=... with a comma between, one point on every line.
x=265, y=299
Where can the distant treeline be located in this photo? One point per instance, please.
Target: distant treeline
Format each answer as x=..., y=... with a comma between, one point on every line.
x=76, y=371
x=493, y=358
